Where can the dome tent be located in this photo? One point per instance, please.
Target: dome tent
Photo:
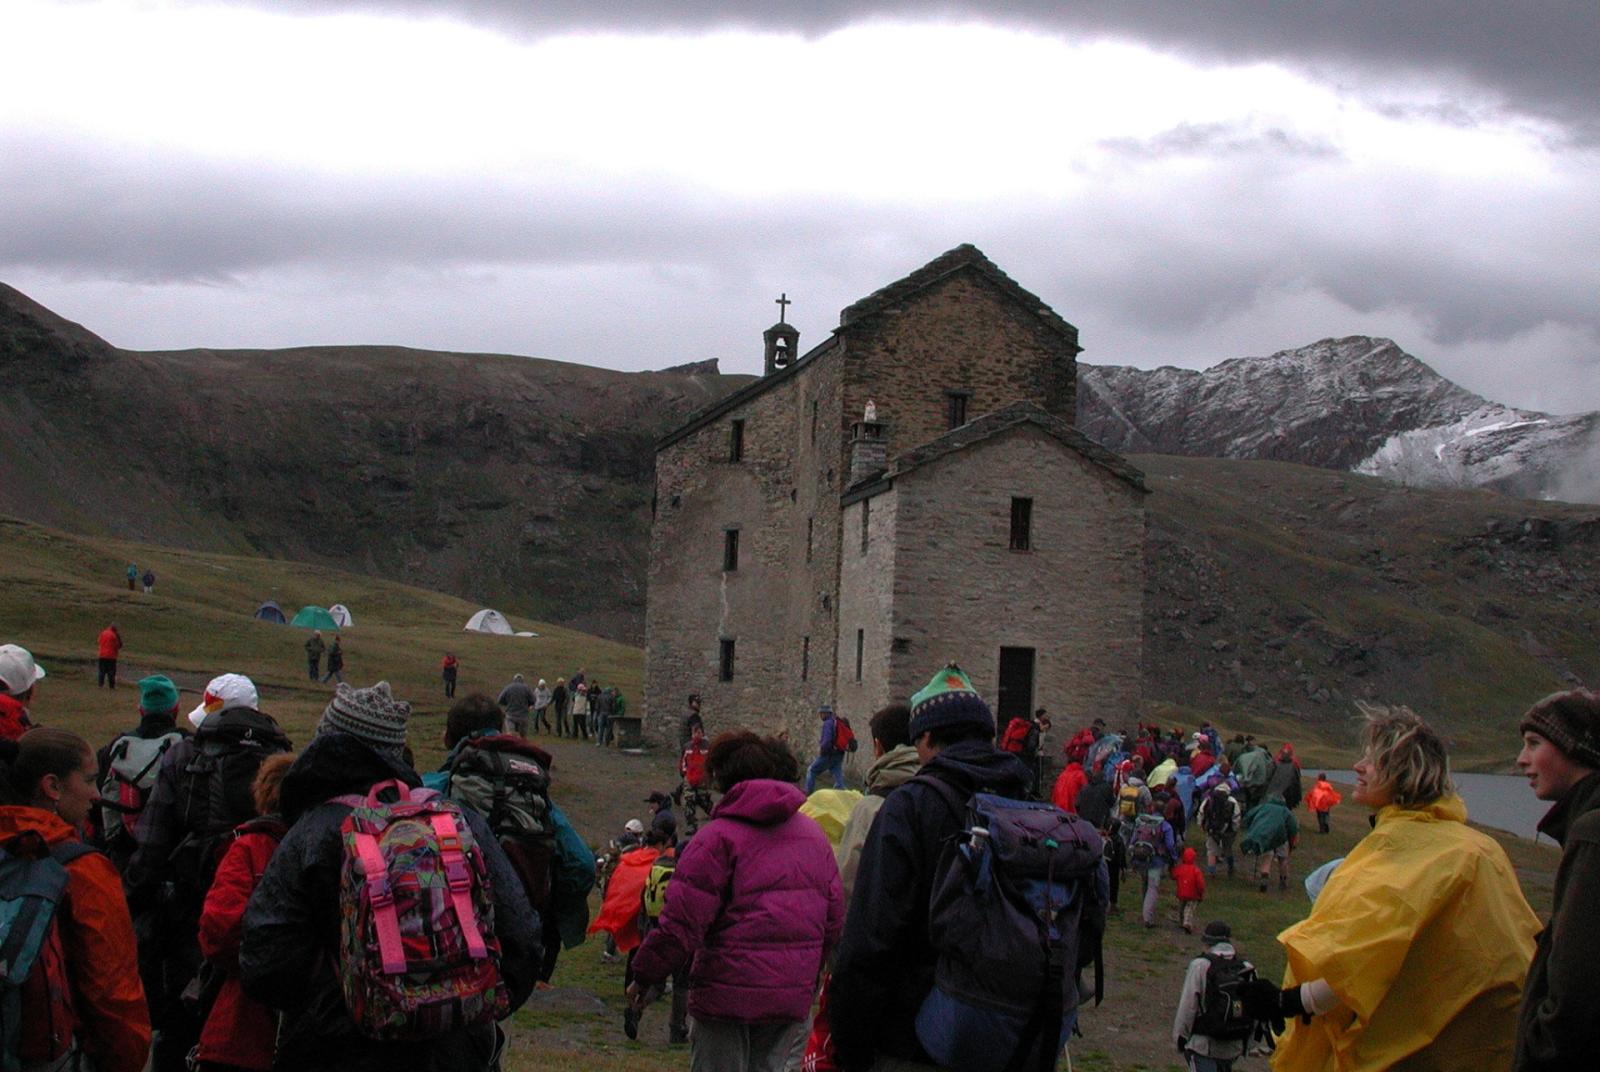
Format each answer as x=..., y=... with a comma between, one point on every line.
x=488, y=621
x=314, y=618
x=341, y=616
x=271, y=612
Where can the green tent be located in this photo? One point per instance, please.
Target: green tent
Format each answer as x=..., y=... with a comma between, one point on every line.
x=315, y=618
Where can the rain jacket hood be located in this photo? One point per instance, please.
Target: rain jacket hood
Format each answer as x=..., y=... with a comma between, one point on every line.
x=335, y=764
x=1425, y=937
x=759, y=800
x=895, y=767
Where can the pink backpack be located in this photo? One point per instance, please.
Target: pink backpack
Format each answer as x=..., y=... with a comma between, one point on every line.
x=418, y=956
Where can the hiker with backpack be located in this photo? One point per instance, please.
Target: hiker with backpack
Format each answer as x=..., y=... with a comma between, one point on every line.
x=110, y=646
x=1415, y=952
x=19, y=677
x=129, y=764
x=239, y=1032
x=1152, y=852
x=1322, y=799
x=69, y=985
x=1220, y=816
x=1270, y=834
x=202, y=792
x=506, y=779
x=898, y=942
x=371, y=971
x=755, y=906
x=1211, y=1028
x=833, y=740
x=1191, y=883
x=652, y=903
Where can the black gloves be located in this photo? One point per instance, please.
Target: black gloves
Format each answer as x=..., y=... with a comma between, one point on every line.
x=1264, y=1002
x=1183, y=1045
x=1291, y=1005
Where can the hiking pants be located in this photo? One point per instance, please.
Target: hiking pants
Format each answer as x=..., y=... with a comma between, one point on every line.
x=541, y=717
x=602, y=730
x=722, y=1045
x=314, y=666
x=1201, y=1063
x=1152, y=890
x=1322, y=822
x=108, y=673
x=561, y=720
x=832, y=762
x=1186, y=914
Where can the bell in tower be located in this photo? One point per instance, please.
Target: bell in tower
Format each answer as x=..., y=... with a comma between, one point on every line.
x=782, y=340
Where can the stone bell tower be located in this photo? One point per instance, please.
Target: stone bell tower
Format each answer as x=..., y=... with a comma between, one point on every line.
x=781, y=339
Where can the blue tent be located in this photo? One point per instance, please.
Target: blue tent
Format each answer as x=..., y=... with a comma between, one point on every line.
x=271, y=612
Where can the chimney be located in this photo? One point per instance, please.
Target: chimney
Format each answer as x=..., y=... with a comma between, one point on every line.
x=869, y=449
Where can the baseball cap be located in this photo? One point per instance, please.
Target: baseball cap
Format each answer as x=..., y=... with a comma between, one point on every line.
x=225, y=692
x=18, y=671
x=633, y=826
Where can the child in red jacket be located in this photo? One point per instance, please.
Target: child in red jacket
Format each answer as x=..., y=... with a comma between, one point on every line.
x=1191, y=889
x=240, y=1032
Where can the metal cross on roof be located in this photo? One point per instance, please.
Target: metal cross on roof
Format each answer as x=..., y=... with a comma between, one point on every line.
x=783, y=303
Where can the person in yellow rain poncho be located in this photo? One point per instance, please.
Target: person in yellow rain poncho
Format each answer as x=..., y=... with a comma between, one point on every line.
x=1414, y=954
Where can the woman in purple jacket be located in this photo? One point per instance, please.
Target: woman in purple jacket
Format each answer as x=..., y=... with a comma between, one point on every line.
x=754, y=908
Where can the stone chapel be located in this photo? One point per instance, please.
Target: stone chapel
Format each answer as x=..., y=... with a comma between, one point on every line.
x=909, y=492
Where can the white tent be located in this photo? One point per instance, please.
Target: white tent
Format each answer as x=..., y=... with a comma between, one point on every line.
x=488, y=621
x=341, y=616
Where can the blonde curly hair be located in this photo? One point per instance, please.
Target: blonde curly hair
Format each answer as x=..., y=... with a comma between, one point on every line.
x=1407, y=756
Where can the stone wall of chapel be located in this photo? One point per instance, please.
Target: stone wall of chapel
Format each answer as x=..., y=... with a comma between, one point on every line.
x=778, y=596
x=866, y=603
x=1077, y=597
x=961, y=334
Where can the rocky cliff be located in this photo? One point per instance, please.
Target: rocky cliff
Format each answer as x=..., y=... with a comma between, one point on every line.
x=1356, y=403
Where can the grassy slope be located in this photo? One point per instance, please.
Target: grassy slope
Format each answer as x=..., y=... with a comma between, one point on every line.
x=58, y=591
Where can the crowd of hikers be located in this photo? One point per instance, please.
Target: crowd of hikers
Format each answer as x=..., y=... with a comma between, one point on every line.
x=196, y=894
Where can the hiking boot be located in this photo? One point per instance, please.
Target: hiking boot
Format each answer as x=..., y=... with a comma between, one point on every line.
x=1262, y=885
x=678, y=1036
x=630, y=1022
x=1283, y=882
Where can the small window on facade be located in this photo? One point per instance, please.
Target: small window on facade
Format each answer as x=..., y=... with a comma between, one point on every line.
x=805, y=657
x=725, y=660
x=730, y=550
x=736, y=441
x=957, y=408
x=866, y=520
x=1021, y=524
x=861, y=648
x=811, y=525
x=813, y=422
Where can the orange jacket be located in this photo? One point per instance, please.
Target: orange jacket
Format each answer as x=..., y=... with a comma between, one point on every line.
x=1323, y=797
x=97, y=937
x=619, y=913
x=110, y=643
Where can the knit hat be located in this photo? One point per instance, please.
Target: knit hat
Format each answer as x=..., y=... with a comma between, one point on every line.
x=157, y=695
x=1217, y=931
x=373, y=715
x=1571, y=721
x=949, y=700
x=223, y=693
x=18, y=671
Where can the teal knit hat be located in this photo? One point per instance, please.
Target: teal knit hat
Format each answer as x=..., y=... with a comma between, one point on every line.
x=949, y=700
x=157, y=695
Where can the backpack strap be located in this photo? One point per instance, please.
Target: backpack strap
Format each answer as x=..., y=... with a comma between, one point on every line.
x=460, y=881
x=384, y=915
x=947, y=792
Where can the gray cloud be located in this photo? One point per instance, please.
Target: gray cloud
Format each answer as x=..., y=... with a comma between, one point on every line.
x=1219, y=139
x=1540, y=57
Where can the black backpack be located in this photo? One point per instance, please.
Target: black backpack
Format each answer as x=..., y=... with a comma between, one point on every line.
x=1014, y=916
x=215, y=792
x=1219, y=813
x=501, y=777
x=1221, y=1014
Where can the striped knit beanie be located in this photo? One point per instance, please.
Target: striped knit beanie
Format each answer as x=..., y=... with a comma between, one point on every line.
x=1570, y=721
x=949, y=700
x=373, y=715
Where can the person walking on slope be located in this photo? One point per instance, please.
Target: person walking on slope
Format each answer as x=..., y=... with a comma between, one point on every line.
x=110, y=646
x=448, y=670
x=542, y=698
x=1558, y=1026
x=1191, y=883
x=830, y=757
x=1321, y=800
x=517, y=700
x=314, y=649
x=149, y=581
x=335, y=662
x=1152, y=851
x=1194, y=1022
x=132, y=574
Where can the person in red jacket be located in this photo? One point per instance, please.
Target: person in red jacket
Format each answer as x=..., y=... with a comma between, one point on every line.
x=1068, y=785
x=1191, y=889
x=1321, y=801
x=110, y=645
x=241, y=1032
x=48, y=796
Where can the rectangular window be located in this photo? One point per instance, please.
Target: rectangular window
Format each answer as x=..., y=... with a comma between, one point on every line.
x=805, y=657
x=861, y=648
x=1021, y=524
x=725, y=660
x=736, y=441
x=813, y=422
x=730, y=550
x=866, y=520
x=957, y=411
x=811, y=524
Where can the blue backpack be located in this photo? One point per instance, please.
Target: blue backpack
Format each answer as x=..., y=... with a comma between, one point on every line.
x=36, y=1015
x=1016, y=913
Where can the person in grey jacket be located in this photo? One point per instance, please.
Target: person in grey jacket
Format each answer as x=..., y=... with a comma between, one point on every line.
x=1204, y=1053
x=517, y=699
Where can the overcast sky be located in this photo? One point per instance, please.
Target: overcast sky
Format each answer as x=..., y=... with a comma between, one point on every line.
x=634, y=187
